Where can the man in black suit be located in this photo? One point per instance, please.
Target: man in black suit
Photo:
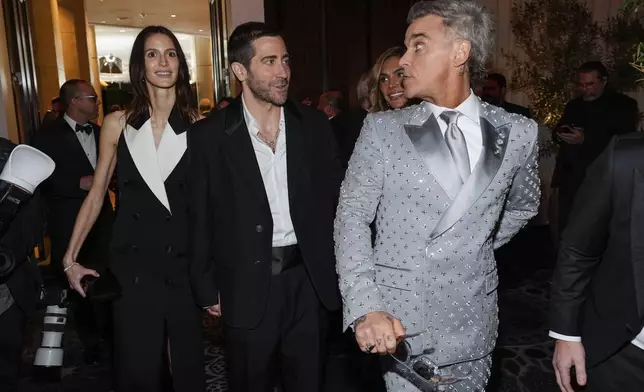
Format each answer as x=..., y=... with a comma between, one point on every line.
x=597, y=304
x=494, y=92
x=585, y=129
x=264, y=184
x=72, y=142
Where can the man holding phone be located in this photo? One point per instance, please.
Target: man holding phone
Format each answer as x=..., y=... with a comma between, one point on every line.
x=585, y=129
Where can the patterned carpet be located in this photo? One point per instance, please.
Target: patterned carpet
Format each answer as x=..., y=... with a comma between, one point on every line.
x=521, y=360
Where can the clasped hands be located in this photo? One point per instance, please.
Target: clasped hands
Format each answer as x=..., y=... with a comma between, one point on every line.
x=378, y=333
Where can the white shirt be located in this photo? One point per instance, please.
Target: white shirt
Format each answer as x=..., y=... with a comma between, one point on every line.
x=469, y=122
x=88, y=142
x=638, y=341
x=274, y=175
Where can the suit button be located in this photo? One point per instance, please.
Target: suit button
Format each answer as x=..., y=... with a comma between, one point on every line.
x=168, y=281
x=259, y=228
x=136, y=216
x=257, y=262
x=168, y=249
x=167, y=218
x=182, y=185
x=127, y=182
x=134, y=248
x=136, y=280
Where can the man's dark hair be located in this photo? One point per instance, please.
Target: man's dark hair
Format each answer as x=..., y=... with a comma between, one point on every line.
x=499, y=79
x=69, y=89
x=594, y=66
x=240, y=43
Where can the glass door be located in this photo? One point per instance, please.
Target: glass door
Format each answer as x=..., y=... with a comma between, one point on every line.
x=219, y=39
x=21, y=64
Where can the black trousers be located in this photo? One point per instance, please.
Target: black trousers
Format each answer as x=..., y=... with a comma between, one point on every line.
x=92, y=320
x=623, y=372
x=12, y=325
x=158, y=336
x=288, y=347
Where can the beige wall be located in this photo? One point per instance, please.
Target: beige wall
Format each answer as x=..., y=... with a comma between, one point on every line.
x=8, y=120
x=50, y=68
x=70, y=48
x=203, y=56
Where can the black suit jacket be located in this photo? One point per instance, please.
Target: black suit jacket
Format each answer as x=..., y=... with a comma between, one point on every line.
x=346, y=128
x=65, y=197
x=598, y=290
x=232, y=226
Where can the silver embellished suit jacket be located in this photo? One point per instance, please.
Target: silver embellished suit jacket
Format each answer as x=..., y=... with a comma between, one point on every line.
x=432, y=264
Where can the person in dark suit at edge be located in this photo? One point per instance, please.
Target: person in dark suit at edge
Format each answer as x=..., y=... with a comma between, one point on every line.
x=597, y=301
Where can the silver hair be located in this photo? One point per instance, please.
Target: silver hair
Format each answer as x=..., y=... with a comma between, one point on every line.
x=466, y=20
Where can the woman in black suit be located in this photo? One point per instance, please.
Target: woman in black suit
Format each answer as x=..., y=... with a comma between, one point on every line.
x=157, y=324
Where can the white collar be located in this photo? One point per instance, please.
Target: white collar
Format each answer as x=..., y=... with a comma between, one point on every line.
x=71, y=122
x=469, y=108
x=251, y=122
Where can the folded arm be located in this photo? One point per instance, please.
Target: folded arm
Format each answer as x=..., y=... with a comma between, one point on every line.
x=523, y=200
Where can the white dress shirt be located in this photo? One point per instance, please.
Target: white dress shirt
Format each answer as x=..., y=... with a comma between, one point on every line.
x=88, y=142
x=469, y=122
x=638, y=341
x=274, y=174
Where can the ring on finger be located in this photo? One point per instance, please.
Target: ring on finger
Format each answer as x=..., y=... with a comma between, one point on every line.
x=370, y=348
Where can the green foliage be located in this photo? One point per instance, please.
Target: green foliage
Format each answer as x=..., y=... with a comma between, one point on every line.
x=622, y=35
x=555, y=37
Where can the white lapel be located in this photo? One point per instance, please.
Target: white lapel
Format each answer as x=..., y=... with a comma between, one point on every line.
x=140, y=142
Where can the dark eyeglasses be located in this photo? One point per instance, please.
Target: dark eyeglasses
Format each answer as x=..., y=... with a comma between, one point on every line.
x=419, y=369
x=89, y=97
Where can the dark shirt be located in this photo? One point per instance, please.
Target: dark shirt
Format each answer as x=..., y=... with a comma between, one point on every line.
x=609, y=115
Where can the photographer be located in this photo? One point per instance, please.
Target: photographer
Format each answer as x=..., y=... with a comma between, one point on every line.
x=19, y=277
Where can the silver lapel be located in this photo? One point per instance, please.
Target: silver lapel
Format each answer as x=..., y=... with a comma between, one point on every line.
x=429, y=143
x=495, y=141
x=155, y=164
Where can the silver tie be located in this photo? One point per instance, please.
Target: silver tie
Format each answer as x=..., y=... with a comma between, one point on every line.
x=456, y=143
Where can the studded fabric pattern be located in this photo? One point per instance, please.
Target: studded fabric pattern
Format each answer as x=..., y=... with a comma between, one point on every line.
x=429, y=272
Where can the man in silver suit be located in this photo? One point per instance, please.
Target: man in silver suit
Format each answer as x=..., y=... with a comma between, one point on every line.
x=448, y=181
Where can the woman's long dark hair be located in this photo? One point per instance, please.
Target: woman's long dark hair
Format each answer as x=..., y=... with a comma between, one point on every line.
x=186, y=102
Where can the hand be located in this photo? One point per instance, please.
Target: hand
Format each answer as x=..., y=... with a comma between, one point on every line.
x=378, y=332
x=86, y=182
x=75, y=274
x=573, y=136
x=567, y=355
x=214, y=310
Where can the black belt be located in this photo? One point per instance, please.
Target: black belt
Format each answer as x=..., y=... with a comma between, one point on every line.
x=285, y=257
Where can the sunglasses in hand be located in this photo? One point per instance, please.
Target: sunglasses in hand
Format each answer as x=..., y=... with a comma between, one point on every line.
x=419, y=369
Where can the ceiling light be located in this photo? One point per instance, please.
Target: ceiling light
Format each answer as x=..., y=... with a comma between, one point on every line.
x=173, y=16
x=200, y=30
x=121, y=31
x=102, y=21
x=142, y=15
x=122, y=18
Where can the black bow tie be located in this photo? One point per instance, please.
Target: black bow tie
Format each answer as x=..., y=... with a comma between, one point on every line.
x=87, y=128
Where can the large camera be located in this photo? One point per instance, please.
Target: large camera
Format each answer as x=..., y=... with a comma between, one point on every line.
x=24, y=170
